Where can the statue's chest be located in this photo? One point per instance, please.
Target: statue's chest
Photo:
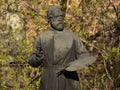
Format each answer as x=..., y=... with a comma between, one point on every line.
x=62, y=42
x=57, y=44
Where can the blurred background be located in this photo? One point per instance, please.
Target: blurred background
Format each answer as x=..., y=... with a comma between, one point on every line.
x=97, y=22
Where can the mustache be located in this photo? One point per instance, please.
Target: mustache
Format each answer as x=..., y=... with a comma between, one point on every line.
x=60, y=23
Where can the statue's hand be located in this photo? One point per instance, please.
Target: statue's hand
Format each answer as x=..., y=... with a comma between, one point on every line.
x=62, y=70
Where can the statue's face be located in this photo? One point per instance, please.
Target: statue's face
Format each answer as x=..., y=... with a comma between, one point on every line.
x=57, y=22
x=56, y=19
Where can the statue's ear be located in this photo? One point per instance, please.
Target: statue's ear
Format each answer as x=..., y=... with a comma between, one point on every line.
x=50, y=20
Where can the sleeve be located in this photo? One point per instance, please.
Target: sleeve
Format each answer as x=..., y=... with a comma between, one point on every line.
x=82, y=57
x=80, y=50
x=36, y=57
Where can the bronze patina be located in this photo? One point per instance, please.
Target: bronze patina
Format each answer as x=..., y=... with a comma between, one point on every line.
x=57, y=51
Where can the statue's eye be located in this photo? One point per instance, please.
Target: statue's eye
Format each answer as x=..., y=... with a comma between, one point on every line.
x=56, y=16
x=60, y=16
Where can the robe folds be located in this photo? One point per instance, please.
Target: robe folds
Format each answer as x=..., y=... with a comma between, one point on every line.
x=55, y=51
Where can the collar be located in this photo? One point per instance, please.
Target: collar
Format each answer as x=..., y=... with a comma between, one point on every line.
x=52, y=29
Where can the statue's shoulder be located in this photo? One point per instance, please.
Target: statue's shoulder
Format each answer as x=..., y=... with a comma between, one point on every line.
x=72, y=34
x=68, y=32
x=46, y=33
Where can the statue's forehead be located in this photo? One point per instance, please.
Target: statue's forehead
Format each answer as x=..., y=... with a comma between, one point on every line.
x=57, y=12
x=54, y=11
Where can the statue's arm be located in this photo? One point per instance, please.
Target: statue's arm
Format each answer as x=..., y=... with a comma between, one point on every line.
x=36, y=57
x=82, y=57
x=80, y=50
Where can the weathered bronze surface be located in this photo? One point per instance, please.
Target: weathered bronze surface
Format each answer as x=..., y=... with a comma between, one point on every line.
x=56, y=50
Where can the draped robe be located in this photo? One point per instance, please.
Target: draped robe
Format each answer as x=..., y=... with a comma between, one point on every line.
x=54, y=50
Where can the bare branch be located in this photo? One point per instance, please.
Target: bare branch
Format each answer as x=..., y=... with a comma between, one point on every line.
x=116, y=12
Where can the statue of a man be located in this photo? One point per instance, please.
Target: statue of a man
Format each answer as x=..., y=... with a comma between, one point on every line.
x=60, y=53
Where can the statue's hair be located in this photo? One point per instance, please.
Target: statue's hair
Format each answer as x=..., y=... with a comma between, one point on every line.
x=52, y=10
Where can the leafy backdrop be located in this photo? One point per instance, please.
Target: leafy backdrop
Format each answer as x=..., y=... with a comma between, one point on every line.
x=97, y=22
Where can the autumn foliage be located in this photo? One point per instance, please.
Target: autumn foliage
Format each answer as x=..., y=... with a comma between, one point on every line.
x=97, y=22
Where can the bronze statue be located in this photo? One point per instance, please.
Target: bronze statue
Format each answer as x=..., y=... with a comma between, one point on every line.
x=60, y=53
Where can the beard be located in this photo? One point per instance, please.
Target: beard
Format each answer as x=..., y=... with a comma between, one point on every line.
x=58, y=26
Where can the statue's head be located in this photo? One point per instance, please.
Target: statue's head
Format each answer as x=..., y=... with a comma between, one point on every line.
x=55, y=18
